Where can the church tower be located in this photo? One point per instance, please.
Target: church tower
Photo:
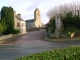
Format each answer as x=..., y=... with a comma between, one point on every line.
x=37, y=18
x=37, y=14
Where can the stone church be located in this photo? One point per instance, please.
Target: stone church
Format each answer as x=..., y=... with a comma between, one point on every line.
x=19, y=23
x=36, y=22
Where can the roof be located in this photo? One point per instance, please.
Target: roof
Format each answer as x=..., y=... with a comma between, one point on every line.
x=19, y=18
x=30, y=21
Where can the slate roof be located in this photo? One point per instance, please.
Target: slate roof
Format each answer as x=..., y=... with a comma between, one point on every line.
x=30, y=21
x=19, y=18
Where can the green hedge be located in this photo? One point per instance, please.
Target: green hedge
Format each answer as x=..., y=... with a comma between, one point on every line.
x=51, y=29
x=71, y=29
x=68, y=53
x=16, y=31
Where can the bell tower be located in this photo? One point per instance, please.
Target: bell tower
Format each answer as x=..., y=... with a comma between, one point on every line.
x=37, y=14
x=37, y=18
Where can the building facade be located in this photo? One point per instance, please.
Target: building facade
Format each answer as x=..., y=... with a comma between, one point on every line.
x=19, y=23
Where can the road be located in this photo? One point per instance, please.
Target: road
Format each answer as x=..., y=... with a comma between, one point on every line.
x=33, y=42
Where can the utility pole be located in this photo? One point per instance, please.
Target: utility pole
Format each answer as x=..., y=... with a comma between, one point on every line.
x=75, y=9
x=78, y=13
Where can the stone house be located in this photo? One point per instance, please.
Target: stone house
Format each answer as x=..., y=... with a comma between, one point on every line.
x=36, y=22
x=19, y=23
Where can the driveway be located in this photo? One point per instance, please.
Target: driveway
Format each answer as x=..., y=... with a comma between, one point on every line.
x=30, y=38
x=28, y=44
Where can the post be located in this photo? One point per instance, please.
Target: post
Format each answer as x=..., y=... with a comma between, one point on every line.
x=78, y=13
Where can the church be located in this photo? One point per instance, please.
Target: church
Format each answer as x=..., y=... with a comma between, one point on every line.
x=36, y=22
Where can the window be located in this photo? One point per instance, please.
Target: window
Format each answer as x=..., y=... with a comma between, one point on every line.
x=38, y=14
x=18, y=24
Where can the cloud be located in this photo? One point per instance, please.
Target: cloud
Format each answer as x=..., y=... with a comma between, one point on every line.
x=20, y=4
x=35, y=4
x=20, y=7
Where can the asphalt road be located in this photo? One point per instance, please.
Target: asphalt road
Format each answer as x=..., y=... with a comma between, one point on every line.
x=28, y=44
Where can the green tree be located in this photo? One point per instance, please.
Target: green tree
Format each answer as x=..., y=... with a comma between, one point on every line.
x=68, y=19
x=0, y=16
x=7, y=16
x=3, y=27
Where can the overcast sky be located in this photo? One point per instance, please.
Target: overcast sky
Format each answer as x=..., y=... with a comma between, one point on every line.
x=26, y=7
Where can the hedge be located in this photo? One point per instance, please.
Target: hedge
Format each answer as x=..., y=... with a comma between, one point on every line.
x=68, y=53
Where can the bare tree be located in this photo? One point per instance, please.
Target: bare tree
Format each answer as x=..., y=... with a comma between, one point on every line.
x=63, y=10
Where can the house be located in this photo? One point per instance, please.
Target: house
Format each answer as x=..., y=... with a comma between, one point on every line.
x=36, y=22
x=19, y=23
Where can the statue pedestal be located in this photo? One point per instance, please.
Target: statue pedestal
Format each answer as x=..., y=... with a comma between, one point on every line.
x=57, y=32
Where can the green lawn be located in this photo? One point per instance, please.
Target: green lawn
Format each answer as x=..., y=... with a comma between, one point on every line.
x=68, y=53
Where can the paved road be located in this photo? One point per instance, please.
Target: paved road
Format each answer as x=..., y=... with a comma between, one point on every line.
x=28, y=44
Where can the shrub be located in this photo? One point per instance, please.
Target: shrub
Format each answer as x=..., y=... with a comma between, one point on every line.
x=51, y=29
x=69, y=53
x=16, y=31
x=69, y=30
x=3, y=27
x=68, y=33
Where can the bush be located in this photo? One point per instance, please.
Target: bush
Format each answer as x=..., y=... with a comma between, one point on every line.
x=51, y=29
x=3, y=27
x=69, y=30
x=16, y=31
x=69, y=53
x=32, y=29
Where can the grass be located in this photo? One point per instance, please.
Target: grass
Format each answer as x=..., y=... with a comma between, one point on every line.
x=68, y=53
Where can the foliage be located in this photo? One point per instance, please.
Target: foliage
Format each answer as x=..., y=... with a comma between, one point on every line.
x=32, y=29
x=76, y=21
x=51, y=29
x=0, y=16
x=46, y=26
x=3, y=27
x=51, y=25
x=69, y=30
x=68, y=53
x=16, y=31
x=70, y=18
x=7, y=16
x=71, y=23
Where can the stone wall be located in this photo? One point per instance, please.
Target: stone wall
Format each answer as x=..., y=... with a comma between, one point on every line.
x=5, y=36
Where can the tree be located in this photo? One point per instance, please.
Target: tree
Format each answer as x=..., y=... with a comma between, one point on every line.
x=7, y=16
x=69, y=16
x=0, y=16
x=3, y=27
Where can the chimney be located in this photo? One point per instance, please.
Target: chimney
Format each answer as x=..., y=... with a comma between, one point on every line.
x=14, y=12
x=19, y=15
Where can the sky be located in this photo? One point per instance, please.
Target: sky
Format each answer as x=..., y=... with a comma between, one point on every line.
x=26, y=7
